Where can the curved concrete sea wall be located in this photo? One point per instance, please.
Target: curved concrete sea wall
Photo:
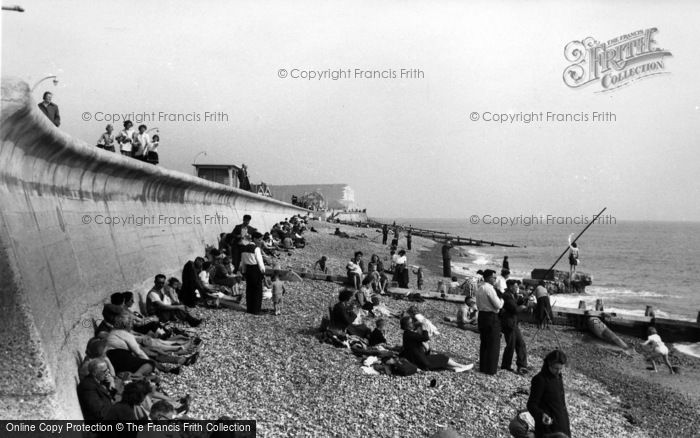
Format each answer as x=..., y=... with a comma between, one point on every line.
x=59, y=260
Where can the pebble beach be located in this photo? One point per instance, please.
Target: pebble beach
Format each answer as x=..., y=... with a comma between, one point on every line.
x=274, y=369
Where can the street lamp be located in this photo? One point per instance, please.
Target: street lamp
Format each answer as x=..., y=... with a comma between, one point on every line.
x=55, y=81
x=194, y=160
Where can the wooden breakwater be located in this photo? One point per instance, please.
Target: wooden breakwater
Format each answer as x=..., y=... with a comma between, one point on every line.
x=438, y=236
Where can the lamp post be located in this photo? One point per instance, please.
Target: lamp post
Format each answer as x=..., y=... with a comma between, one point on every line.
x=55, y=81
x=194, y=160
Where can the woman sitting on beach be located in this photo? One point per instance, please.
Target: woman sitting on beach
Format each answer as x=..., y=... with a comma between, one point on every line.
x=413, y=350
x=547, y=403
x=124, y=351
x=654, y=348
x=364, y=295
x=343, y=316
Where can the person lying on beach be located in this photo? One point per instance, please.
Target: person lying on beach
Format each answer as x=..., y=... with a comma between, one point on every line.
x=341, y=234
x=321, y=264
x=413, y=341
x=654, y=348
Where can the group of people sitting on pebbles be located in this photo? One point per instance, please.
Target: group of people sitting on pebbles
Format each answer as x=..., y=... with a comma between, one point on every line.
x=345, y=326
x=119, y=375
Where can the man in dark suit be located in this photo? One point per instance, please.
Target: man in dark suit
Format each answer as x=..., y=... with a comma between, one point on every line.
x=511, y=331
x=50, y=109
x=93, y=395
x=239, y=238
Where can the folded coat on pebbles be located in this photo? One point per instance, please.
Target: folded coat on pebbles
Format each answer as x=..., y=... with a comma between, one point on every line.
x=274, y=370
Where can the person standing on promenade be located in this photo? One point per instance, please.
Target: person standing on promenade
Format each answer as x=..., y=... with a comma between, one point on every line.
x=489, y=303
x=106, y=140
x=506, y=264
x=49, y=109
x=142, y=143
x=511, y=330
x=253, y=269
x=408, y=239
x=573, y=258
x=547, y=402
x=446, y=259
x=125, y=138
x=385, y=234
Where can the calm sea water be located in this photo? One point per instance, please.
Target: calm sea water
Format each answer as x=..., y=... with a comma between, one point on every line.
x=633, y=264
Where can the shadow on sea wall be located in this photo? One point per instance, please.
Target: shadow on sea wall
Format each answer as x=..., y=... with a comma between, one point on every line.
x=60, y=258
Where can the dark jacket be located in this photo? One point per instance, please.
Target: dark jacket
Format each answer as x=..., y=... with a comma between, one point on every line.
x=94, y=399
x=413, y=351
x=547, y=396
x=509, y=314
x=51, y=111
x=376, y=338
x=342, y=316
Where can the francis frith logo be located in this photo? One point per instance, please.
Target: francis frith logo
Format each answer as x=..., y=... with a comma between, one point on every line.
x=616, y=62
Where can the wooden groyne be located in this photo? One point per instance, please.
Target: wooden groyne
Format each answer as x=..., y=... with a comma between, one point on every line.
x=438, y=236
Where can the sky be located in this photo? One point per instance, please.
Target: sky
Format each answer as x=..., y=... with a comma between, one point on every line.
x=407, y=146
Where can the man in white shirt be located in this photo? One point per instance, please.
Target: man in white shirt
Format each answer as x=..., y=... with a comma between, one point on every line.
x=158, y=303
x=489, y=304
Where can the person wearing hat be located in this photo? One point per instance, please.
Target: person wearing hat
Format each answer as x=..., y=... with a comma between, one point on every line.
x=489, y=304
x=511, y=331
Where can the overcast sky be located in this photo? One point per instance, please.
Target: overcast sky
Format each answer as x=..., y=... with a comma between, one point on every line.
x=407, y=146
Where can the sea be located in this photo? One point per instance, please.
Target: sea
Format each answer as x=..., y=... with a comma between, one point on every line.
x=633, y=264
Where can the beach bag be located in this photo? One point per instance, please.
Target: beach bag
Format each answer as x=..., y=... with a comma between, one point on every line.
x=404, y=367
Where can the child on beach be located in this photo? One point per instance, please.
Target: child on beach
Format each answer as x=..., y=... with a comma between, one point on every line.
x=418, y=272
x=656, y=349
x=468, y=313
x=321, y=264
x=377, y=336
x=278, y=290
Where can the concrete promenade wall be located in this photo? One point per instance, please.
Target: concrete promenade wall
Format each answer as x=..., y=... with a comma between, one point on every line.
x=58, y=265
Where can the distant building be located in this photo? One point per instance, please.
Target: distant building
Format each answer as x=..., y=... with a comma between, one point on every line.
x=226, y=174
x=336, y=196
